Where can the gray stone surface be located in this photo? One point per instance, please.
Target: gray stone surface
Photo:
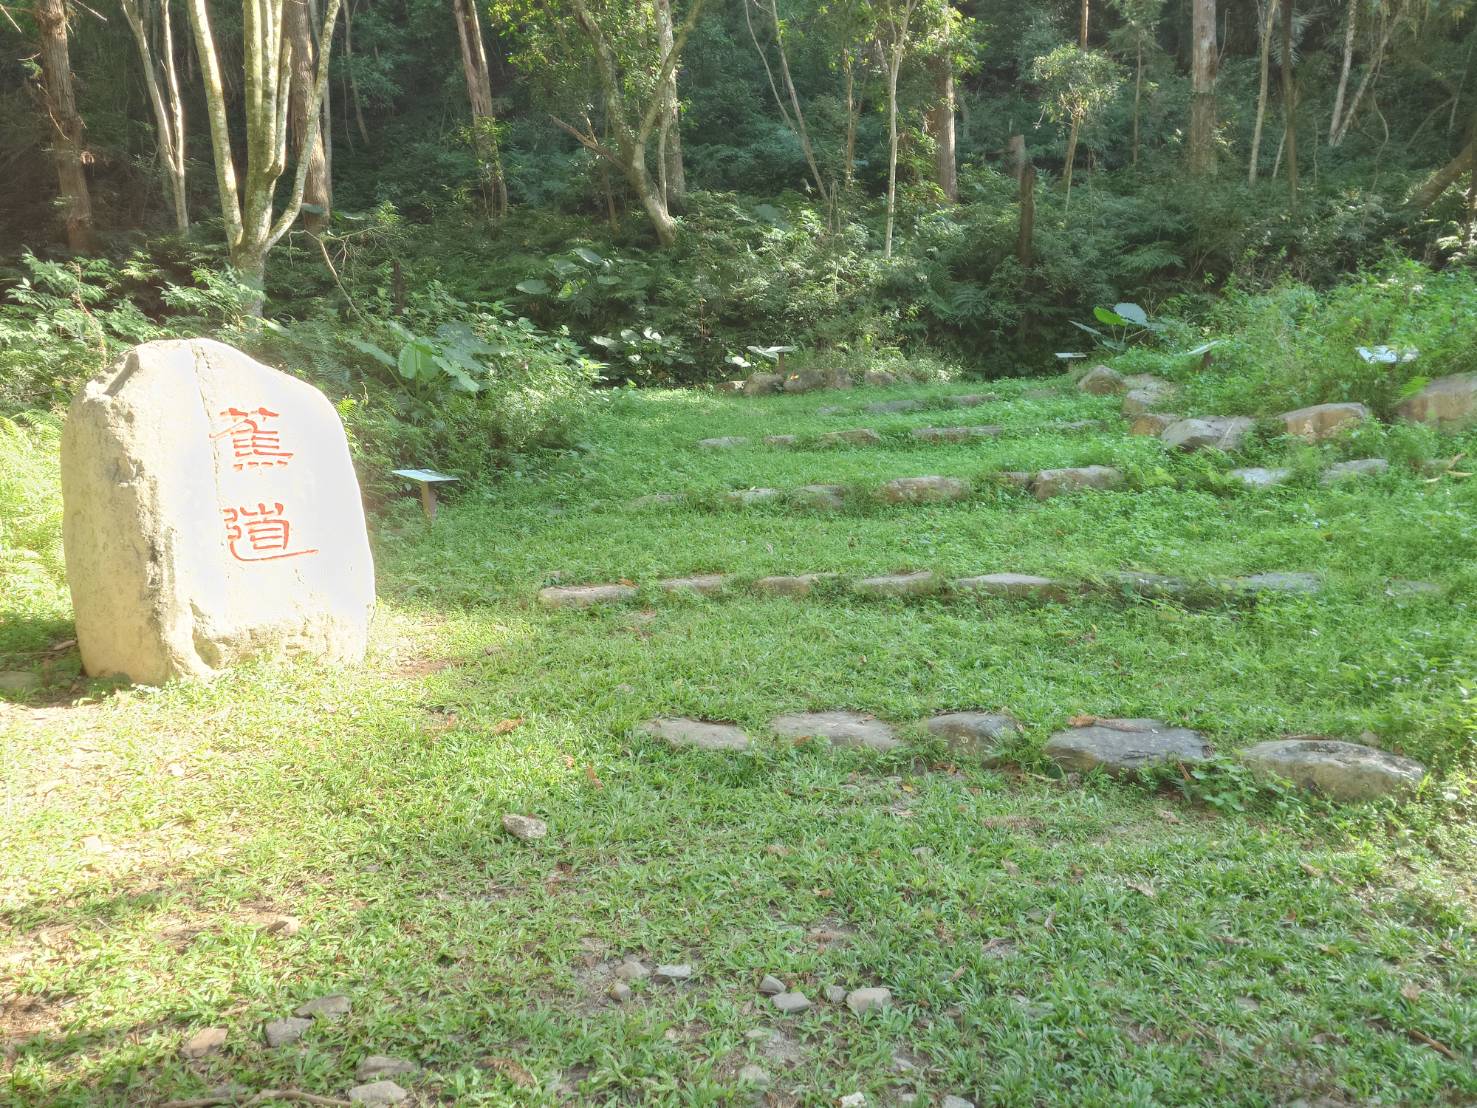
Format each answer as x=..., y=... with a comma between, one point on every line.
x=879, y=379
x=807, y=380
x=632, y=969
x=705, y=584
x=284, y=1031
x=924, y=490
x=1013, y=478
x=1322, y=421
x=1102, y=381
x=1255, y=477
x=525, y=828
x=956, y=434
x=955, y=1102
x=1360, y=467
x=856, y=436
x=1400, y=589
x=378, y=1093
x=976, y=734
x=922, y=583
x=834, y=994
x=584, y=596
x=754, y=1075
x=1013, y=586
x=824, y=497
x=1121, y=747
x=790, y=1004
x=1447, y=402
x=862, y=1001
x=1054, y=482
x=781, y=440
x=1208, y=433
x=840, y=728
x=680, y=731
x=203, y=1042
x=770, y=985
x=673, y=972
x=890, y=407
x=1287, y=584
x=620, y=992
x=1147, y=397
x=1344, y=771
x=724, y=442
x=1152, y=423
x=331, y=1007
x=799, y=585
x=382, y=1065
x=763, y=384
x=18, y=682
x=1149, y=586
x=746, y=497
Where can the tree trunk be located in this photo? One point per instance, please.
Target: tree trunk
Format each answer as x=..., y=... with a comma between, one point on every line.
x=1264, y=64
x=317, y=196
x=67, y=127
x=674, y=173
x=1289, y=108
x=353, y=80
x=1370, y=72
x=851, y=120
x=1350, y=22
x=894, y=63
x=651, y=197
x=1433, y=187
x=1082, y=26
x=479, y=97
x=941, y=123
x=1202, y=102
x=1071, y=157
x=1138, y=92
x=164, y=99
x=1025, y=251
x=1016, y=153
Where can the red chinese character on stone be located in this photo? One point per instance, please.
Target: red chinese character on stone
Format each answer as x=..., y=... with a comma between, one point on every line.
x=254, y=445
x=260, y=534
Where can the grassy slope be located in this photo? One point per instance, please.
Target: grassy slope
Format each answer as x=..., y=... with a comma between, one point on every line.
x=1046, y=941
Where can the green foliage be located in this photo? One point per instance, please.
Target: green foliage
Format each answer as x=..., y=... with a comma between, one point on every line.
x=32, y=575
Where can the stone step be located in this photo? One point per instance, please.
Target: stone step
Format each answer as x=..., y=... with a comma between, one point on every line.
x=912, y=436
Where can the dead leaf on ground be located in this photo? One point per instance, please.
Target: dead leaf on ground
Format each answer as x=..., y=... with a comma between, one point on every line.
x=1411, y=991
x=1082, y=721
x=507, y=725
x=1145, y=888
x=593, y=778
x=515, y=1072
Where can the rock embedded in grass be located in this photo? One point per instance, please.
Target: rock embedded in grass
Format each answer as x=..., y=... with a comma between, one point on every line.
x=655, y=500
x=284, y=1031
x=839, y=728
x=747, y=497
x=382, y=1065
x=1122, y=747
x=1102, y=381
x=923, y=583
x=1322, y=421
x=584, y=596
x=331, y=1007
x=790, y=1004
x=1152, y=423
x=825, y=497
x=800, y=585
x=1013, y=478
x=955, y=1102
x=770, y=985
x=781, y=440
x=18, y=682
x=754, y=1075
x=956, y=434
x=1360, y=467
x=763, y=384
x=672, y=973
x=1054, y=482
x=1448, y=403
x=1208, y=433
x=1255, y=477
x=725, y=442
x=632, y=970
x=1413, y=590
x=924, y=490
x=834, y=994
x=525, y=828
x=203, y=1042
x=1344, y=771
x=857, y=436
x=1287, y=584
x=975, y=734
x=1013, y=586
x=707, y=584
x=680, y=731
x=620, y=992
x=873, y=999
x=378, y=1093
x=1146, y=395
x=879, y=379
x=891, y=407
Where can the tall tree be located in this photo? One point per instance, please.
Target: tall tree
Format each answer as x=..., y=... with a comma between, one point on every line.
x=1077, y=83
x=941, y=125
x=304, y=113
x=168, y=105
x=1351, y=22
x=1289, y=107
x=68, y=149
x=479, y=96
x=788, y=102
x=1135, y=39
x=669, y=134
x=894, y=36
x=1202, y=79
x=1266, y=24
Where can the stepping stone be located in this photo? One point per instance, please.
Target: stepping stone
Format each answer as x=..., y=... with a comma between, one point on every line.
x=771, y=986
x=781, y=440
x=1152, y=423
x=1146, y=393
x=790, y=1004
x=1053, y=482
x=1013, y=586
x=924, y=583
x=204, y=1042
x=834, y=994
x=632, y=970
x=707, y=584
x=955, y=1102
x=973, y=399
x=889, y=407
x=655, y=500
x=1322, y=421
x=924, y=490
x=825, y=497
x=1102, y=381
x=955, y=434
x=1122, y=747
x=332, y=1007
x=525, y=828
x=1291, y=584
x=800, y=585
x=746, y=497
x=879, y=379
x=1149, y=586
x=382, y=1065
x=1013, y=478
x=377, y=1093
x=1076, y=425
x=976, y=734
x=809, y=380
x=1362, y=467
x=847, y=729
x=670, y=974
x=284, y=1031
x=584, y=596
x=727, y=442
x=1254, y=477
x=697, y=734
x=1447, y=402
x=763, y=384
x=1413, y=590
x=858, y=436
x=1208, y=433
x=1344, y=771
x=862, y=1001
x=18, y=682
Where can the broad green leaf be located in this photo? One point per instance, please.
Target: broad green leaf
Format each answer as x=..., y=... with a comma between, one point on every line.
x=378, y=353
x=1133, y=313
x=1111, y=318
x=533, y=287
x=588, y=255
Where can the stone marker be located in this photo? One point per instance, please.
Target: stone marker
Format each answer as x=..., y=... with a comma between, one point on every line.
x=525, y=828
x=204, y=1042
x=825, y=497
x=790, y=1004
x=284, y=1031
x=838, y=728
x=857, y=436
x=800, y=585
x=956, y=434
x=1013, y=586
x=382, y=1065
x=1344, y=771
x=726, y=442
x=922, y=583
x=862, y=1001
x=680, y=731
x=1152, y=423
x=1102, y=381
x=1322, y=421
x=1053, y=482
x=1361, y=467
x=211, y=515
x=924, y=490
x=705, y=584
x=1208, y=433
x=331, y=1007
x=1121, y=747
x=1447, y=402
x=377, y=1093
x=1254, y=477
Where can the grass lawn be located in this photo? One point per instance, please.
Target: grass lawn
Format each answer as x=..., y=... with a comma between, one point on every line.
x=1046, y=939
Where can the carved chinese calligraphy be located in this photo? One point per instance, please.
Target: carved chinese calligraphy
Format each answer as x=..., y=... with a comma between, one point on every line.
x=212, y=514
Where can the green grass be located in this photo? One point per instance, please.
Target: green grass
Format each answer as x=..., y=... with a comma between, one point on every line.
x=1047, y=940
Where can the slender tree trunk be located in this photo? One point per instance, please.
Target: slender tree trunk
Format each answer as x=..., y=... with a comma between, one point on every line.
x=67, y=147
x=1289, y=107
x=1350, y=22
x=674, y=173
x=479, y=97
x=1025, y=252
x=1082, y=26
x=849, y=173
x=164, y=99
x=1138, y=92
x=941, y=123
x=349, y=65
x=894, y=63
x=1264, y=67
x=1370, y=72
x=305, y=115
x=1433, y=187
x=1071, y=158
x=1016, y=153
x=1202, y=103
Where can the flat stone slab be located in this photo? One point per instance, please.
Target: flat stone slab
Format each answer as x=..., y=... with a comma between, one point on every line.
x=1149, y=586
x=1447, y=402
x=705, y=584
x=956, y=434
x=681, y=731
x=825, y=497
x=378, y=1093
x=1054, y=482
x=285, y=1031
x=726, y=442
x=799, y=585
x=746, y=497
x=888, y=407
x=857, y=436
x=1286, y=584
x=382, y=1065
x=862, y=1001
x=1321, y=421
x=1013, y=586
x=781, y=440
x=331, y=1007
x=1152, y=423
x=1146, y=398
x=585, y=596
x=203, y=1043
x=1122, y=747
x=975, y=734
x=924, y=490
x=18, y=682
x=1360, y=467
x=790, y=1004
x=1344, y=771
x=1102, y=381
x=525, y=828
x=1413, y=590
x=923, y=583
x=1208, y=433
x=673, y=972
x=848, y=729
x=1255, y=477
x=656, y=500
